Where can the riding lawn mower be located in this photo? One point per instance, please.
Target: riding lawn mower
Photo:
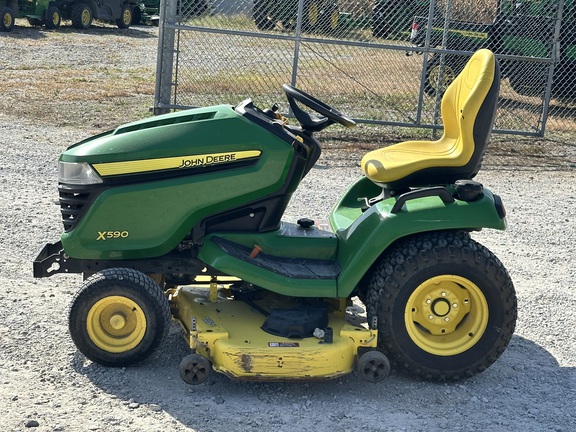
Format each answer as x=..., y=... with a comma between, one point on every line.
x=179, y=217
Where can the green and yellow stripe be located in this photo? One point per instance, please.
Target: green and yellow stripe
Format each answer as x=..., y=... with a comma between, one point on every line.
x=171, y=163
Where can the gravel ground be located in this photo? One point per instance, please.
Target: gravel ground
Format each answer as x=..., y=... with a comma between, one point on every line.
x=45, y=383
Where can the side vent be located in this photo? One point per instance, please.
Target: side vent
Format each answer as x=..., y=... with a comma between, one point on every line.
x=165, y=122
x=73, y=205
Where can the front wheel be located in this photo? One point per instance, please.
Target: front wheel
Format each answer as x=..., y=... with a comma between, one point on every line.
x=118, y=317
x=125, y=19
x=81, y=16
x=445, y=306
x=6, y=19
x=53, y=18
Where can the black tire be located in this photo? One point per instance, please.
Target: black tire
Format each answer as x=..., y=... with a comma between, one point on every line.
x=453, y=65
x=373, y=366
x=136, y=16
x=330, y=19
x=195, y=369
x=6, y=19
x=311, y=15
x=445, y=306
x=118, y=317
x=53, y=18
x=81, y=16
x=261, y=15
x=125, y=19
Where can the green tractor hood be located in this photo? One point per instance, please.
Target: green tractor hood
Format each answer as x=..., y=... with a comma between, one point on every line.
x=145, y=186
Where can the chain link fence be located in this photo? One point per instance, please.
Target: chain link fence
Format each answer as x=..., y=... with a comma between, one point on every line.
x=381, y=61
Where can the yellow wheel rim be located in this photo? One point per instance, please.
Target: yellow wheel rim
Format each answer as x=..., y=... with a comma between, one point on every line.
x=334, y=17
x=127, y=17
x=446, y=315
x=85, y=17
x=55, y=18
x=7, y=20
x=447, y=77
x=313, y=14
x=116, y=324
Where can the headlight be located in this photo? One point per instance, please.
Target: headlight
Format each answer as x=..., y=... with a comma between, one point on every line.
x=77, y=173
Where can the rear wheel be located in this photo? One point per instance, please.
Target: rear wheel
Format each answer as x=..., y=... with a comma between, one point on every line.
x=445, y=306
x=118, y=317
x=125, y=19
x=330, y=19
x=136, y=16
x=81, y=16
x=6, y=19
x=53, y=18
x=311, y=15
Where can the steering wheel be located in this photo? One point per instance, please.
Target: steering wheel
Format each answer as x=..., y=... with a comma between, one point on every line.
x=309, y=121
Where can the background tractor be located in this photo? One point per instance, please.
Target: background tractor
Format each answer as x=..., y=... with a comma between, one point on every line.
x=317, y=15
x=80, y=12
x=38, y=12
x=519, y=29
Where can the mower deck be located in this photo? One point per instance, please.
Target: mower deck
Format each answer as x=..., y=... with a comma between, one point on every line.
x=245, y=351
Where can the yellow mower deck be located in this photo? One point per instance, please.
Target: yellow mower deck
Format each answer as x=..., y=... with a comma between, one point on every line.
x=227, y=332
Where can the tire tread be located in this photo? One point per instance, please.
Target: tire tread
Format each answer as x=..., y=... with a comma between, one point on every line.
x=413, y=254
x=136, y=284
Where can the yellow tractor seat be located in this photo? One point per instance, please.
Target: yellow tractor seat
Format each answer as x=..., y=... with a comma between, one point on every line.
x=468, y=108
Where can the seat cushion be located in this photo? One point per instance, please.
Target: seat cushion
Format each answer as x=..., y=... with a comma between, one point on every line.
x=468, y=108
x=389, y=164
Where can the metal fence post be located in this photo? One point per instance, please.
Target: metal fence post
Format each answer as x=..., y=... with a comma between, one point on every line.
x=440, y=92
x=555, y=54
x=429, y=24
x=297, y=42
x=165, y=60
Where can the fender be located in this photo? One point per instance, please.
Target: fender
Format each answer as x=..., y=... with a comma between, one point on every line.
x=364, y=235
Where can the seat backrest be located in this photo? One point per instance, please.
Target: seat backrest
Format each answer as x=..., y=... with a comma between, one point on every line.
x=469, y=106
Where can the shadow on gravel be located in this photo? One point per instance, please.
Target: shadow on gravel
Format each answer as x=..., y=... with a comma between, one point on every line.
x=36, y=33
x=515, y=385
x=33, y=33
x=133, y=32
